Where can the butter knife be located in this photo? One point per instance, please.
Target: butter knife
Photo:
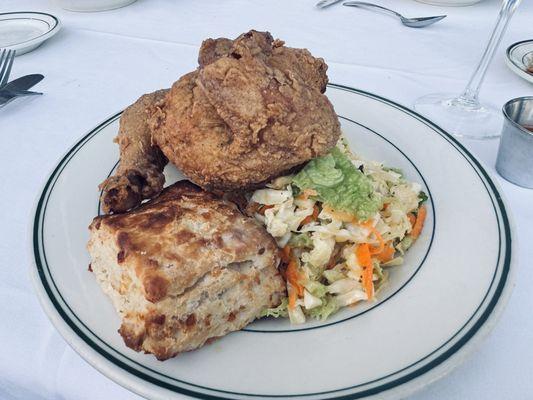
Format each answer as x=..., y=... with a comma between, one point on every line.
x=23, y=83
x=18, y=88
x=326, y=3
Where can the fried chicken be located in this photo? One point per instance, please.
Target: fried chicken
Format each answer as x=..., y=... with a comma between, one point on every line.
x=252, y=111
x=139, y=175
x=212, y=49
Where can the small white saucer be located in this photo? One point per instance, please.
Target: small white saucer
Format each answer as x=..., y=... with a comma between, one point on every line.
x=518, y=56
x=25, y=31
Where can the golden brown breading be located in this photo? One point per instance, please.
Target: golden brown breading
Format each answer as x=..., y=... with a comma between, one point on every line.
x=212, y=49
x=184, y=268
x=300, y=62
x=251, y=113
x=140, y=173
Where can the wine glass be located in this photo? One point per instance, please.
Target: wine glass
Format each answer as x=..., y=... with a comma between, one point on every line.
x=464, y=115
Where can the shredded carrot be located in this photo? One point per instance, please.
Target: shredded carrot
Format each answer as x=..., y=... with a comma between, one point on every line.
x=367, y=224
x=264, y=208
x=373, y=231
x=412, y=219
x=381, y=246
x=387, y=254
x=306, y=193
x=342, y=216
x=286, y=254
x=292, y=298
x=364, y=258
x=312, y=217
x=385, y=206
x=293, y=276
x=362, y=252
x=367, y=282
x=419, y=224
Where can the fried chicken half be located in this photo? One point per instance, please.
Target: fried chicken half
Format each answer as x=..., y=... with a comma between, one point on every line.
x=139, y=175
x=254, y=110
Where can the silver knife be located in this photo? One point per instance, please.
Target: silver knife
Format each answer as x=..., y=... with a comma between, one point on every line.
x=18, y=88
x=326, y=3
x=23, y=83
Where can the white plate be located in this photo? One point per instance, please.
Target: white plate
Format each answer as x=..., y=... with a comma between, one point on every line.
x=25, y=31
x=437, y=308
x=518, y=57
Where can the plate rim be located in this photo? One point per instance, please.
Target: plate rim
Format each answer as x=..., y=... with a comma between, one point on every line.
x=52, y=30
x=514, y=66
x=413, y=381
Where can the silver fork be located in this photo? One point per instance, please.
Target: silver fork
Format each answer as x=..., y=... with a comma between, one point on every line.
x=6, y=62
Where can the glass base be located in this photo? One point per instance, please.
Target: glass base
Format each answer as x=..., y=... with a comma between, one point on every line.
x=460, y=116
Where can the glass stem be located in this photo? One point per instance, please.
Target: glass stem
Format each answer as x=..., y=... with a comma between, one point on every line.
x=471, y=92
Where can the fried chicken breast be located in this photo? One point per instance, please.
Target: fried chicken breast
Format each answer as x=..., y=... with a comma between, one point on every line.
x=184, y=268
x=254, y=110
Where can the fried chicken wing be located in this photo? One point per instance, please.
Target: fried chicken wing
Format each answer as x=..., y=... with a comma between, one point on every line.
x=140, y=172
x=252, y=111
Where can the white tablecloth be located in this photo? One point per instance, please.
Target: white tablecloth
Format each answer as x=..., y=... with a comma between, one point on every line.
x=101, y=62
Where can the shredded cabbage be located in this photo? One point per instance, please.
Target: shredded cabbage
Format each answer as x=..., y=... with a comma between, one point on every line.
x=302, y=240
x=276, y=312
x=329, y=306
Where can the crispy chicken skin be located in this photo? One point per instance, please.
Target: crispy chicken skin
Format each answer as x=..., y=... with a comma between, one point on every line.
x=212, y=49
x=140, y=172
x=252, y=111
x=183, y=269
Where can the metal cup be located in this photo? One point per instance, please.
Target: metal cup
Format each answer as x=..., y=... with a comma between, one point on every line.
x=515, y=155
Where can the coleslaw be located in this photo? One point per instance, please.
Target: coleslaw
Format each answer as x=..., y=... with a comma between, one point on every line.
x=341, y=223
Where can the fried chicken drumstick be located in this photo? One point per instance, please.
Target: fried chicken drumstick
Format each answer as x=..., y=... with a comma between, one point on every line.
x=139, y=175
x=252, y=111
